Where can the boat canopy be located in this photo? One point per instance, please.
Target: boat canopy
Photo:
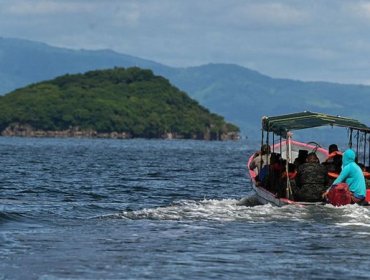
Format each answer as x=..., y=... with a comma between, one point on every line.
x=282, y=124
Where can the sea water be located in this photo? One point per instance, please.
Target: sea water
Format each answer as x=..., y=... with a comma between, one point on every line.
x=157, y=209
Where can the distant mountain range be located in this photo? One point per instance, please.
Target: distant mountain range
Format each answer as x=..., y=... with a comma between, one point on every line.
x=239, y=94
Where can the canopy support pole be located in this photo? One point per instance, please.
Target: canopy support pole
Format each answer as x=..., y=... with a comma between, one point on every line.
x=350, y=138
x=365, y=149
x=369, y=151
x=262, y=139
x=280, y=146
x=268, y=153
x=289, y=194
x=357, y=144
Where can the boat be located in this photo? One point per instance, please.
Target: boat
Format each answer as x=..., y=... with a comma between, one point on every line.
x=282, y=127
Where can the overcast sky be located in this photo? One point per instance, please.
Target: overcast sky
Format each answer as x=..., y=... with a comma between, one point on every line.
x=326, y=40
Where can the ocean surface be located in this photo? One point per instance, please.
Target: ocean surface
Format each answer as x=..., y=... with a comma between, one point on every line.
x=157, y=209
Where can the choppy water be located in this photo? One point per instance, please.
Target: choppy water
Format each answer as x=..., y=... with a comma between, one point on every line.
x=148, y=209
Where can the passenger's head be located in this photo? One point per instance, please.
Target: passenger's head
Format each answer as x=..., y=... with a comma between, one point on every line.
x=302, y=154
x=275, y=158
x=265, y=149
x=312, y=158
x=349, y=156
x=333, y=148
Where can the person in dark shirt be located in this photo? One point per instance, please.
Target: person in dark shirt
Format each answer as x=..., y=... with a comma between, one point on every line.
x=311, y=180
x=301, y=159
x=272, y=180
x=333, y=163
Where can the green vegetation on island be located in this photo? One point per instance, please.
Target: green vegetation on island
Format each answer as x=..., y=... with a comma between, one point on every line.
x=132, y=101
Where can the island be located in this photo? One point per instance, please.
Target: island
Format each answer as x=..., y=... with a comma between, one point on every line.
x=113, y=103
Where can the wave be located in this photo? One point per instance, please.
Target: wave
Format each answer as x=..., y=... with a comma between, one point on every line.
x=246, y=210
x=213, y=210
x=10, y=217
x=355, y=216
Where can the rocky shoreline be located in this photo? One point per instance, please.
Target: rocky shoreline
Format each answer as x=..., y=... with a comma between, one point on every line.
x=18, y=130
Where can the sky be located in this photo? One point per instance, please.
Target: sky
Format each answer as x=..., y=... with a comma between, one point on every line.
x=316, y=40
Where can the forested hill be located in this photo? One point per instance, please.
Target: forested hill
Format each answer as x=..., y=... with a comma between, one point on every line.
x=116, y=102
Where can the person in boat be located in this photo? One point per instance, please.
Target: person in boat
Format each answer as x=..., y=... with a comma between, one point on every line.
x=333, y=163
x=334, y=156
x=352, y=175
x=285, y=177
x=311, y=180
x=272, y=179
x=301, y=159
x=260, y=160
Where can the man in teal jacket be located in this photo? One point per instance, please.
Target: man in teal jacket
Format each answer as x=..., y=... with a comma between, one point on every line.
x=352, y=175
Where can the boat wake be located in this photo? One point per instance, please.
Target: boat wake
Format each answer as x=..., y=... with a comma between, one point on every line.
x=190, y=210
x=246, y=210
x=224, y=210
x=355, y=216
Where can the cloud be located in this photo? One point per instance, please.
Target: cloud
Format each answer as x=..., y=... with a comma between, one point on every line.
x=309, y=40
x=21, y=8
x=267, y=13
x=360, y=9
x=126, y=15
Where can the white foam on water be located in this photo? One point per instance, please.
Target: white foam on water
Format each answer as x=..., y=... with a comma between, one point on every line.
x=355, y=215
x=217, y=210
x=354, y=224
